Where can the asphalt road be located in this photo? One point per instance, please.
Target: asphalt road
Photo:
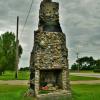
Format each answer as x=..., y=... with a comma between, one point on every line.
x=25, y=82
x=97, y=75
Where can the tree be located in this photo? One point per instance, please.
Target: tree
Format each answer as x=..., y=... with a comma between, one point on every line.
x=2, y=64
x=86, y=63
x=2, y=57
x=97, y=66
x=8, y=51
x=24, y=69
x=74, y=66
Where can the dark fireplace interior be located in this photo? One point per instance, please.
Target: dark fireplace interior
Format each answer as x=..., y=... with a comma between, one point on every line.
x=50, y=80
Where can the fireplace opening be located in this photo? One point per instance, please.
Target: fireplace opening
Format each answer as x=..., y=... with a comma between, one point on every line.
x=50, y=80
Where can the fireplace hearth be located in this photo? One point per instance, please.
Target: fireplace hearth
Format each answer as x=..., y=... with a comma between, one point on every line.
x=51, y=79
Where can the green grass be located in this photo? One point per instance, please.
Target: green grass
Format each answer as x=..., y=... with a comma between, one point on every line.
x=8, y=92
x=79, y=92
x=10, y=75
x=86, y=92
x=82, y=78
x=44, y=92
x=83, y=71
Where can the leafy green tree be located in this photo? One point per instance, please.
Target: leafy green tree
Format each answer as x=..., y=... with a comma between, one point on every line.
x=2, y=64
x=86, y=63
x=24, y=69
x=8, y=51
x=74, y=66
x=97, y=66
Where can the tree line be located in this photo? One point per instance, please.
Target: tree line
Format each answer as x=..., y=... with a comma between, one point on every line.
x=8, y=52
x=86, y=63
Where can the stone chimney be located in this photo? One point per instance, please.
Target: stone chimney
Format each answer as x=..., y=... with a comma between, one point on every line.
x=49, y=57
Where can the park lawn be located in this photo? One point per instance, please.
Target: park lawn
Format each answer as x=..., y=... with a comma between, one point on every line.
x=10, y=75
x=8, y=92
x=86, y=92
x=82, y=78
x=79, y=92
x=82, y=71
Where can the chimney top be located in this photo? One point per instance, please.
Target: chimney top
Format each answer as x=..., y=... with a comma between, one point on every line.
x=47, y=0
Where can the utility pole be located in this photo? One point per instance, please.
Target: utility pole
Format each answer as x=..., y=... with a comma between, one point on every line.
x=77, y=53
x=17, y=45
x=78, y=62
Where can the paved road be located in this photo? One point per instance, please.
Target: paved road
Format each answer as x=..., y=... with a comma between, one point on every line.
x=86, y=82
x=86, y=74
x=25, y=82
x=14, y=82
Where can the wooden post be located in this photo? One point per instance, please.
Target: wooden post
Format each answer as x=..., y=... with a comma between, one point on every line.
x=17, y=44
x=78, y=62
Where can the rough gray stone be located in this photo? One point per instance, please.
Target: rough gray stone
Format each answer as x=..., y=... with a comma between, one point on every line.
x=49, y=57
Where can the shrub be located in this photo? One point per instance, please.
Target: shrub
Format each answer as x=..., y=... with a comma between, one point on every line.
x=97, y=70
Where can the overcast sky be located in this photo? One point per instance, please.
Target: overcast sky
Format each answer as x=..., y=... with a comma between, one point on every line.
x=80, y=21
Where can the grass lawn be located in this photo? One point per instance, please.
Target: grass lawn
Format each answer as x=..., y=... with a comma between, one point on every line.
x=8, y=92
x=82, y=71
x=86, y=92
x=82, y=78
x=10, y=75
x=80, y=92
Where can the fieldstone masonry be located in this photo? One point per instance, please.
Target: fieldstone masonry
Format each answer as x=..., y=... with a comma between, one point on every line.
x=49, y=57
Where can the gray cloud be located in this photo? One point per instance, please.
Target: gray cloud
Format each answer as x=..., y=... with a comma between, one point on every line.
x=80, y=21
